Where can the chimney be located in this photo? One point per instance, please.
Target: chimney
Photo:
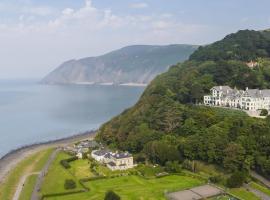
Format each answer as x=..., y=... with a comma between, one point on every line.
x=220, y=87
x=246, y=88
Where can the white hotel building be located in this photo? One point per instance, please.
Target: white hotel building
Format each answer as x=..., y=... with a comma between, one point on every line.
x=249, y=99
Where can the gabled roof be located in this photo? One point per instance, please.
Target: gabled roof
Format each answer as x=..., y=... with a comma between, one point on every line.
x=222, y=88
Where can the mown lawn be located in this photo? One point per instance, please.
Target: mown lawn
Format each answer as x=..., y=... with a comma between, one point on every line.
x=32, y=163
x=134, y=187
x=80, y=169
x=260, y=188
x=243, y=194
x=55, y=179
x=28, y=187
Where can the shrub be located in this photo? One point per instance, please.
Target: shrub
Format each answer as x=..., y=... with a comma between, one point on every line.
x=173, y=167
x=236, y=179
x=65, y=164
x=215, y=179
x=111, y=195
x=264, y=112
x=70, y=184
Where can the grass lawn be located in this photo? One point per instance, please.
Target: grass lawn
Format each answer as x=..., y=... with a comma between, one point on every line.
x=81, y=169
x=28, y=165
x=260, y=188
x=28, y=187
x=55, y=179
x=220, y=198
x=243, y=194
x=134, y=187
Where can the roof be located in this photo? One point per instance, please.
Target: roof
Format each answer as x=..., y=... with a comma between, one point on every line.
x=111, y=164
x=121, y=155
x=223, y=88
x=102, y=152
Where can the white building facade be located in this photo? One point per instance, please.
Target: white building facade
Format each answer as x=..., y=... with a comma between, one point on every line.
x=249, y=99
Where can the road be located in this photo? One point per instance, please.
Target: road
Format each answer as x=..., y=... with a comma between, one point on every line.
x=21, y=185
x=42, y=174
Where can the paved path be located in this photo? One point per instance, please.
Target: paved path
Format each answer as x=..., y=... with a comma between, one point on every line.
x=21, y=185
x=260, y=178
x=42, y=174
x=258, y=193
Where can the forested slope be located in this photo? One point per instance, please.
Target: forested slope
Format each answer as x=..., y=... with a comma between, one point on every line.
x=166, y=125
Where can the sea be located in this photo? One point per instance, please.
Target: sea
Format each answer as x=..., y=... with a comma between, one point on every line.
x=33, y=113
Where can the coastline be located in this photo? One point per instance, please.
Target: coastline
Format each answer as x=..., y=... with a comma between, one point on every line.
x=11, y=159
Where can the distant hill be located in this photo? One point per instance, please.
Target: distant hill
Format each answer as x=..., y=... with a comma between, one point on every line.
x=245, y=45
x=133, y=64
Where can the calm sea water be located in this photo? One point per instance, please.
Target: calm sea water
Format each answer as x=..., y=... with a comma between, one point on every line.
x=31, y=113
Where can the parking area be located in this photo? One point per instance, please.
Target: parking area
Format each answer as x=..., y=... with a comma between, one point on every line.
x=196, y=193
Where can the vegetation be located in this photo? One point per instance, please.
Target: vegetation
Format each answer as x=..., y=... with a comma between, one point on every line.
x=166, y=125
x=57, y=175
x=236, y=180
x=245, y=45
x=242, y=193
x=111, y=195
x=260, y=188
x=134, y=187
x=70, y=184
x=28, y=187
x=264, y=112
x=33, y=163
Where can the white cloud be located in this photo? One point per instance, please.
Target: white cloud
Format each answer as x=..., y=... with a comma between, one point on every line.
x=40, y=10
x=41, y=45
x=139, y=5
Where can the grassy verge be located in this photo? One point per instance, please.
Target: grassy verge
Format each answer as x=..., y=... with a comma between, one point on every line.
x=28, y=187
x=28, y=165
x=260, y=188
x=242, y=193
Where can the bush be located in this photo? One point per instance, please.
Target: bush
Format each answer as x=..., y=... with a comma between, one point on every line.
x=173, y=167
x=236, y=180
x=65, y=163
x=215, y=179
x=70, y=184
x=111, y=195
x=264, y=112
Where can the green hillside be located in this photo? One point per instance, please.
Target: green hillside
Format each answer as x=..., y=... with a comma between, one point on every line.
x=244, y=45
x=166, y=125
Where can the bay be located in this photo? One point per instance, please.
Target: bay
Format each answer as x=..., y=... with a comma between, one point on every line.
x=32, y=113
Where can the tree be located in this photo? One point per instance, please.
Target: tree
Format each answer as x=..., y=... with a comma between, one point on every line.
x=234, y=157
x=236, y=179
x=111, y=195
x=264, y=112
x=70, y=184
x=196, y=92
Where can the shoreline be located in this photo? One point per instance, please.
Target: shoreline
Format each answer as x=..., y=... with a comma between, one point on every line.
x=11, y=159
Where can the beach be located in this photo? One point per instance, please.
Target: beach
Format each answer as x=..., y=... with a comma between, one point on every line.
x=10, y=160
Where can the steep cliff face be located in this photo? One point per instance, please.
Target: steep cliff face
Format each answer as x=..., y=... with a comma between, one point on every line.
x=133, y=64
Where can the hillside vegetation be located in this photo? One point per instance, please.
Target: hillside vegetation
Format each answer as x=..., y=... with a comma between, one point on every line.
x=166, y=125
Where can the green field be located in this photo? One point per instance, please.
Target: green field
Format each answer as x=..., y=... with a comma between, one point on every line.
x=242, y=193
x=32, y=163
x=55, y=179
x=134, y=188
x=260, y=188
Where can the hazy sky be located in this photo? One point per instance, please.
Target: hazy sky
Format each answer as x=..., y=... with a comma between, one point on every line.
x=36, y=36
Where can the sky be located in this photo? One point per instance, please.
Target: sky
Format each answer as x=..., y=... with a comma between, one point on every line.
x=37, y=36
